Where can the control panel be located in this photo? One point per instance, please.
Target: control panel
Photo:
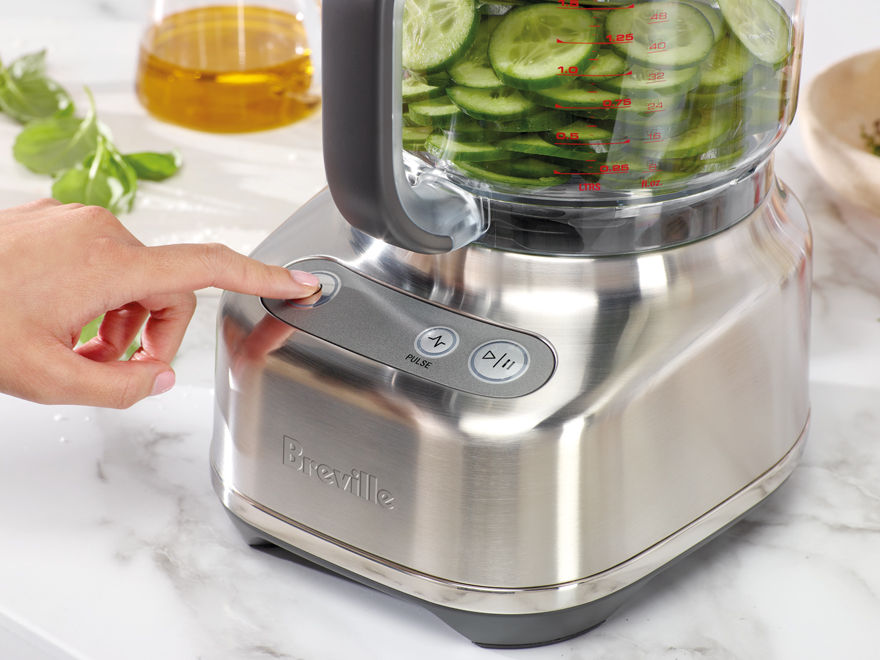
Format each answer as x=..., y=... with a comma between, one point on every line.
x=410, y=334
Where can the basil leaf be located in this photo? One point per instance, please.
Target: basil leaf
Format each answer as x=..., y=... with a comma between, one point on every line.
x=27, y=94
x=154, y=166
x=86, y=186
x=91, y=330
x=48, y=146
x=103, y=179
x=125, y=174
x=32, y=64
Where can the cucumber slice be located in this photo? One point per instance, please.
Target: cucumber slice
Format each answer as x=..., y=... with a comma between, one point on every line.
x=642, y=81
x=577, y=95
x=543, y=119
x=762, y=26
x=434, y=112
x=446, y=148
x=719, y=95
x=766, y=110
x=665, y=34
x=519, y=173
x=492, y=104
x=466, y=129
x=532, y=42
x=473, y=69
x=582, y=131
x=528, y=167
x=668, y=111
x=437, y=32
x=534, y=145
x=414, y=137
x=714, y=160
x=438, y=78
x=498, y=7
x=416, y=89
x=592, y=102
x=762, y=76
x=716, y=20
x=728, y=62
x=646, y=135
x=606, y=64
x=711, y=129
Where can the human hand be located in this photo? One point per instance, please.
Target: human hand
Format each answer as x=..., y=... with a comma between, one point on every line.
x=63, y=265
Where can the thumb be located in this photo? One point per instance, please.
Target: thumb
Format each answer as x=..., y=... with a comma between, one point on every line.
x=121, y=384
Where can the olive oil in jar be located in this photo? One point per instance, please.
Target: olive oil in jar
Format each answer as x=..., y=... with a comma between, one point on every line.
x=227, y=69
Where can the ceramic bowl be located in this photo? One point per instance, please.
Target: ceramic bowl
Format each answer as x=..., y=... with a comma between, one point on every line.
x=838, y=103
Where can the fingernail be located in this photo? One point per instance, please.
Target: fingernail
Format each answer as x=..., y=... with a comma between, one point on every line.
x=163, y=383
x=305, y=279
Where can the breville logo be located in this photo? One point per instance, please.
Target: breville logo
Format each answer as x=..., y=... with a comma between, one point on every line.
x=354, y=482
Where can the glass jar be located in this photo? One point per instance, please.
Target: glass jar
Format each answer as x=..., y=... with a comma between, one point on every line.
x=230, y=67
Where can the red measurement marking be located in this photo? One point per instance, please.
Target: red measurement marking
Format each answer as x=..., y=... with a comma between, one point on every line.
x=573, y=136
x=578, y=107
x=611, y=8
x=592, y=144
x=597, y=75
x=585, y=43
x=617, y=103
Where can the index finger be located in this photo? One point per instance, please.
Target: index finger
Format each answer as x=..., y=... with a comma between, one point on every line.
x=192, y=266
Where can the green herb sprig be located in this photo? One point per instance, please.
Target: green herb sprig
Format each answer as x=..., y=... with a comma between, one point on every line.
x=77, y=151
x=872, y=140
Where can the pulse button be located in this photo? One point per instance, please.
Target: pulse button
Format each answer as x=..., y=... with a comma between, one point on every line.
x=436, y=342
x=329, y=288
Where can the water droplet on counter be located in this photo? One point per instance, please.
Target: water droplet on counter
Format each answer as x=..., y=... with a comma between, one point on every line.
x=59, y=418
x=62, y=440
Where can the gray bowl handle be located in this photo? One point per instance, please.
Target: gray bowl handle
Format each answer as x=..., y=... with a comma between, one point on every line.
x=408, y=205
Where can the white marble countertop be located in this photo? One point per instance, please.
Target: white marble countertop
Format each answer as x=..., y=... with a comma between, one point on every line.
x=113, y=544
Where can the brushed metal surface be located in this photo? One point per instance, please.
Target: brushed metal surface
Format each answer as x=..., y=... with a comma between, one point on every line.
x=510, y=601
x=681, y=379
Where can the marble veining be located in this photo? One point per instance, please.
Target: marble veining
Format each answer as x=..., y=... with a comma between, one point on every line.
x=113, y=544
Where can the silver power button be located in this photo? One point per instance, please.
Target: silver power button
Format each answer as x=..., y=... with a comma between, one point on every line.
x=329, y=288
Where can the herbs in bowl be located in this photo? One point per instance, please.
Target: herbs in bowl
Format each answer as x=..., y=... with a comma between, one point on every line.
x=77, y=151
x=838, y=113
x=872, y=140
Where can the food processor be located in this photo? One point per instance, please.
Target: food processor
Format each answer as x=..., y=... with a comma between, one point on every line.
x=562, y=334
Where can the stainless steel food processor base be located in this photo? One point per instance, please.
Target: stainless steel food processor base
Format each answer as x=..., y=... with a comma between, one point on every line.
x=598, y=596
x=660, y=395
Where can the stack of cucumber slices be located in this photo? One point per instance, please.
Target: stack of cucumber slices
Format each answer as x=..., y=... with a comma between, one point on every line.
x=615, y=96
